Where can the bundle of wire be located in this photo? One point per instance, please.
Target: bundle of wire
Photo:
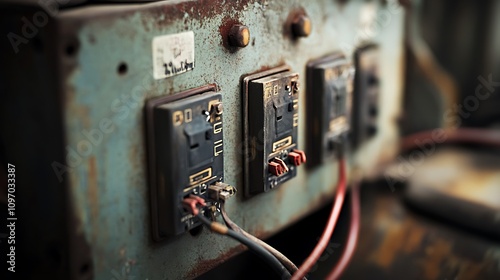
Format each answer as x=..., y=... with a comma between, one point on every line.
x=282, y=258
x=328, y=231
x=253, y=246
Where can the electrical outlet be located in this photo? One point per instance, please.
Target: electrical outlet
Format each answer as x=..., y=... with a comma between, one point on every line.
x=329, y=88
x=271, y=118
x=366, y=94
x=186, y=155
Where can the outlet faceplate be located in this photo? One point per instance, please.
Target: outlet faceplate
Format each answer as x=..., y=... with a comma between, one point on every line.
x=186, y=155
x=329, y=87
x=270, y=105
x=366, y=94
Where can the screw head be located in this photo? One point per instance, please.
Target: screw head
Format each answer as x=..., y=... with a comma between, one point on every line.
x=301, y=26
x=239, y=36
x=218, y=108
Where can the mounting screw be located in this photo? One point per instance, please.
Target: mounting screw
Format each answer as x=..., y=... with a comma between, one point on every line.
x=218, y=108
x=239, y=36
x=301, y=26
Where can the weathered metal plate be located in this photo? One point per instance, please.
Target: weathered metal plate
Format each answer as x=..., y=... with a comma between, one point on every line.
x=396, y=242
x=106, y=75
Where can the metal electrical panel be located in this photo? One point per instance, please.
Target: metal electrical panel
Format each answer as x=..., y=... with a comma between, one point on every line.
x=116, y=172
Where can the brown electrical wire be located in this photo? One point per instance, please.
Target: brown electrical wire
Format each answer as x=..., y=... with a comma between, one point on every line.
x=352, y=239
x=290, y=266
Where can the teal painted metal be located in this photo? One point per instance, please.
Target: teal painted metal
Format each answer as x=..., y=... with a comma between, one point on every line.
x=108, y=178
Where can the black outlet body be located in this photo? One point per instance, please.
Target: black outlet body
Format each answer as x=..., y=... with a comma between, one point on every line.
x=329, y=93
x=366, y=94
x=186, y=155
x=270, y=106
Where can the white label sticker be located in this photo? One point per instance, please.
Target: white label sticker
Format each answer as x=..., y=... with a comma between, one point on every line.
x=173, y=54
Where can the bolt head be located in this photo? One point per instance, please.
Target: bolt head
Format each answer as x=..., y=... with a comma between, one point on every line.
x=301, y=26
x=239, y=36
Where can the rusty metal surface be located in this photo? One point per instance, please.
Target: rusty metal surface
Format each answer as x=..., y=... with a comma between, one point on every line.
x=107, y=176
x=459, y=185
x=398, y=243
x=452, y=229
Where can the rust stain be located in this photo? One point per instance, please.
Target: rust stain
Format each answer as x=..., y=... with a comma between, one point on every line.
x=205, y=265
x=414, y=239
x=404, y=236
x=471, y=270
x=431, y=251
x=440, y=258
x=200, y=10
x=386, y=252
x=436, y=253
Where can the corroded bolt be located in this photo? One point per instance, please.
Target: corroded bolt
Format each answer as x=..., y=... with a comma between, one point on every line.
x=239, y=36
x=301, y=26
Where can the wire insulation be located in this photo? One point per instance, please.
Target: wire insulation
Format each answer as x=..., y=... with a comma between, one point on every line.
x=352, y=239
x=282, y=258
x=332, y=221
x=254, y=247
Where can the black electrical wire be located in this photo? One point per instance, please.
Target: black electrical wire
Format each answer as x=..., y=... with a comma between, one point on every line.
x=254, y=247
x=282, y=258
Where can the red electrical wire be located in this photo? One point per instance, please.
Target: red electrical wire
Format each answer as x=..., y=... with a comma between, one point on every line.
x=460, y=135
x=352, y=239
x=327, y=233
